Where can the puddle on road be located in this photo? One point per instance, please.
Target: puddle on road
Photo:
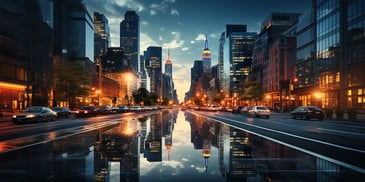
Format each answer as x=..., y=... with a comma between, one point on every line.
x=167, y=146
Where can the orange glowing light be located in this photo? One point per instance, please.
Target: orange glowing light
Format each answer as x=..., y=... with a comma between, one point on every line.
x=11, y=85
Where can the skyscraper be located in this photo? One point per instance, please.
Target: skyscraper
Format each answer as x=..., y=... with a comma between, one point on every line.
x=237, y=45
x=206, y=56
x=168, y=64
x=101, y=34
x=129, y=38
x=153, y=63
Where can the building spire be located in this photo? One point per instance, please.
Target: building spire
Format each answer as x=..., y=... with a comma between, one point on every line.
x=206, y=42
x=168, y=53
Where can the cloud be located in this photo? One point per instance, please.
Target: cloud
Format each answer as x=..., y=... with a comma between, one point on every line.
x=146, y=41
x=200, y=37
x=131, y=4
x=185, y=49
x=175, y=42
x=163, y=7
x=174, y=12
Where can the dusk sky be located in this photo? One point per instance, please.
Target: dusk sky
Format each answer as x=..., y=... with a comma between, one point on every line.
x=181, y=25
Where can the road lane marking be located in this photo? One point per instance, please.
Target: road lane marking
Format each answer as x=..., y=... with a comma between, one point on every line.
x=350, y=166
x=344, y=132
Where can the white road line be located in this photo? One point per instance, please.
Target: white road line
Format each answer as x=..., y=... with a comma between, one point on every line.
x=345, y=132
x=356, y=168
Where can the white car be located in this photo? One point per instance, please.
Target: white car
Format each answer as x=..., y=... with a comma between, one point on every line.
x=259, y=111
x=135, y=108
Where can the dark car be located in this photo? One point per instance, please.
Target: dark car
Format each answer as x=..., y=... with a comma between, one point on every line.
x=123, y=108
x=237, y=110
x=34, y=114
x=245, y=109
x=87, y=111
x=62, y=112
x=307, y=113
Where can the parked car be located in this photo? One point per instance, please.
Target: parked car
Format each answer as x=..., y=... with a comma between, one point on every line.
x=236, y=110
x=87, y=111
x=245, y=109
x=34, y=114
x=136, y=109
x=213, y=108
x=259, y=111
x=62, y=112
x=308, y=112
x=123, y=109
x=105, y=109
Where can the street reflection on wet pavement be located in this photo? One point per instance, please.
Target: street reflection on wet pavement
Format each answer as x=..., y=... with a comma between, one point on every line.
x=167, y=146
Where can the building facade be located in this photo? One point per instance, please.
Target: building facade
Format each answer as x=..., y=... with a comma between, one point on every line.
x=340, y=53
x=26, y=46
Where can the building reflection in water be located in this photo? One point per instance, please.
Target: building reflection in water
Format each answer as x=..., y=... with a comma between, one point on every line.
x=114, y=153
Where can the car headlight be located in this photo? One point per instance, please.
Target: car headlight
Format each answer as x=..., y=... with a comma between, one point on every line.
x=30, y=116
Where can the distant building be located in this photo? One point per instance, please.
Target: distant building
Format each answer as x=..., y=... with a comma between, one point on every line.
x=168, y=64
x=271, y=30
x=143, y=74
x=206, y=57
x=196, y=73
x=113, y=60
x=101, y=34
x=153, y=63
x=129, y=38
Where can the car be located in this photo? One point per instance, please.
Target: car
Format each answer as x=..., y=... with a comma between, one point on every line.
x=123, y=108
x=135, y=108
x=87, y=111
x=35, y=114
x=62, y=112
x=105, y=109
x=307, y=113
x=259, y=111
x=236, y=110
x=213, y=108
x=245, y=109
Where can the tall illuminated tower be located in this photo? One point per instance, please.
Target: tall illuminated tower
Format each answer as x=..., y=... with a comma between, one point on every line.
x=206, y=56
x=168, y=65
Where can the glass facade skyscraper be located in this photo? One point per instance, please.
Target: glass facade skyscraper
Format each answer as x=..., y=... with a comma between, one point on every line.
x=237, y=45
x=340, y=53
x=26, y=47
x=101, y=34
x=129, y=38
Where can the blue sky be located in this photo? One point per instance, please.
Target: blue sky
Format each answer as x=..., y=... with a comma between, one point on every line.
x=181, y=25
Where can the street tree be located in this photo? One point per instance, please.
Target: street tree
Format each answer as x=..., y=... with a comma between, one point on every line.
x=252, y=91
x=71, y=82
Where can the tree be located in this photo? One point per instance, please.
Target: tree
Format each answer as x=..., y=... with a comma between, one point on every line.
x=252, y=90
x=71, y=82
x=142, y=95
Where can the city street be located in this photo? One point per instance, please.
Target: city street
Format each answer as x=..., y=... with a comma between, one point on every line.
x=274, y=148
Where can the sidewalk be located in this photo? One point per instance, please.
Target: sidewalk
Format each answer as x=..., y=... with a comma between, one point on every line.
x=6, y=116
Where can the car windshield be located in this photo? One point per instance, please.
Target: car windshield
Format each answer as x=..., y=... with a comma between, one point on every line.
x=33, y=109
x=261, y=108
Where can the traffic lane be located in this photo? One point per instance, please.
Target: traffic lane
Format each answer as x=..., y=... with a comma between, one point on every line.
x=296, y=136
x=348, y=135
